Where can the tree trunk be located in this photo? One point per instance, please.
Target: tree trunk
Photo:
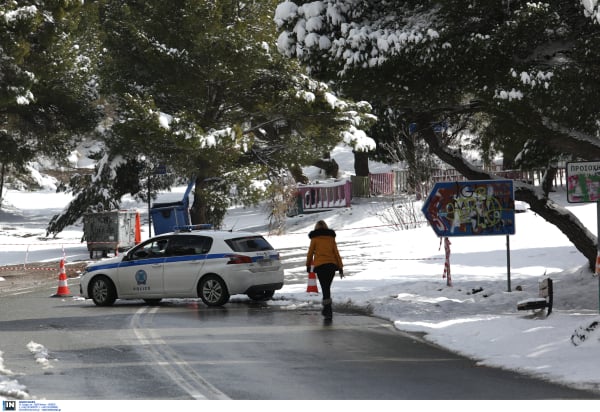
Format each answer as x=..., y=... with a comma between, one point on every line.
x=548, y=179
x=298, y=175
x=565, y=221
x=330, y=167
x=198, y=211
x=206, y=207
x=361, y=163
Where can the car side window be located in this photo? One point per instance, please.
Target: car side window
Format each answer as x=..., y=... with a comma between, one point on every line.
x=189, y=245
x=151, y=250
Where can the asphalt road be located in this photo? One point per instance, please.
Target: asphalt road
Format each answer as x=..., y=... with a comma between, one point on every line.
x=245, y=350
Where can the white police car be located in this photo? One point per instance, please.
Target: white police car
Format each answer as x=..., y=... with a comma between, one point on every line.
x=212, y=265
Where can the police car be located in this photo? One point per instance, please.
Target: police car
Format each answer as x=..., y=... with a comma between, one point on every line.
x=211, y=265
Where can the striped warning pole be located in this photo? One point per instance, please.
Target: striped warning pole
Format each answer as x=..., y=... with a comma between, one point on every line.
x=447, y=262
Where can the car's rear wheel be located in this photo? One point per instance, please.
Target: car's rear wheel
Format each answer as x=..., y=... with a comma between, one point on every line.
x=262, y=295
x=103, y=291
x=213, y=291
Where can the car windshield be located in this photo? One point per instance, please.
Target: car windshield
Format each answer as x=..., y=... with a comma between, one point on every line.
x=249, y=244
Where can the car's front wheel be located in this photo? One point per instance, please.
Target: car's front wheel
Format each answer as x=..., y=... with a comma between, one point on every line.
x=103, y=291
x=213, y=291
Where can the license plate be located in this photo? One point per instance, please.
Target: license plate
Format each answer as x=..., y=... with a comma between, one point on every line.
x=265, y=262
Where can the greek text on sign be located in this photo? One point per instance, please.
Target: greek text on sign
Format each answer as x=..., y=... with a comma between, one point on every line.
x=471, y=208
x=583, y=182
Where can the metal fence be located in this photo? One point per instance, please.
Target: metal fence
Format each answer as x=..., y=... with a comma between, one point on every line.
x=339, y=194
x=380, y=184
x=533, y=177
x=324, y=196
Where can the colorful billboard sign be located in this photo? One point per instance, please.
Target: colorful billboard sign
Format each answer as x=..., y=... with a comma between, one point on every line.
x=471, y=208
x=583, y=182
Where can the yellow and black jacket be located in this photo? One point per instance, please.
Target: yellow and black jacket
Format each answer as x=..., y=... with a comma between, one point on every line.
x=323, y=249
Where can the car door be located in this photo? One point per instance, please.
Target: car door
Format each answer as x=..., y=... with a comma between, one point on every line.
x=185, y=258
x=141, y=271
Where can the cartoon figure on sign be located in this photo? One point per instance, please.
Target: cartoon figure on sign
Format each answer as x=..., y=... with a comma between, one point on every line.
x=471, y=208
x=141, y=277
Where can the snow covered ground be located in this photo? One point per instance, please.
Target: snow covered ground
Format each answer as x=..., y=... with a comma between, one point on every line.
x=398, y=276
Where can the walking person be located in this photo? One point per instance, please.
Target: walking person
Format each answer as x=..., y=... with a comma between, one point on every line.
x=323, y=254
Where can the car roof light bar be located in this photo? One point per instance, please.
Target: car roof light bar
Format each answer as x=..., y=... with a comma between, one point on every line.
x=189, y=228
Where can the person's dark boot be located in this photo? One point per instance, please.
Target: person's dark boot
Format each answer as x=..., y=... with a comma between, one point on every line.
x=327, y=311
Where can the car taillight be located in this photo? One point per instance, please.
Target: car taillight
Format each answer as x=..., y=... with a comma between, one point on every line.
x=237, y=259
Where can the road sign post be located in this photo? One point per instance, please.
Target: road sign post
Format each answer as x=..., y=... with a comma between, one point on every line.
x=472, y=208
x=583, y=186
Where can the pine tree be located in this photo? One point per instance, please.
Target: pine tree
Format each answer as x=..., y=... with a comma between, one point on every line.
x=514, y=74
x=45, y=94
x=198, y=86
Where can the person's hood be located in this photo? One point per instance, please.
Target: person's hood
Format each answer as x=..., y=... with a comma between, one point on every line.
x=321, y=232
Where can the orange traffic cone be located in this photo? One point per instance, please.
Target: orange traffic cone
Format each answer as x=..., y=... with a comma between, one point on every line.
x=312, y=282
x=63, y=288
x=138, y=229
